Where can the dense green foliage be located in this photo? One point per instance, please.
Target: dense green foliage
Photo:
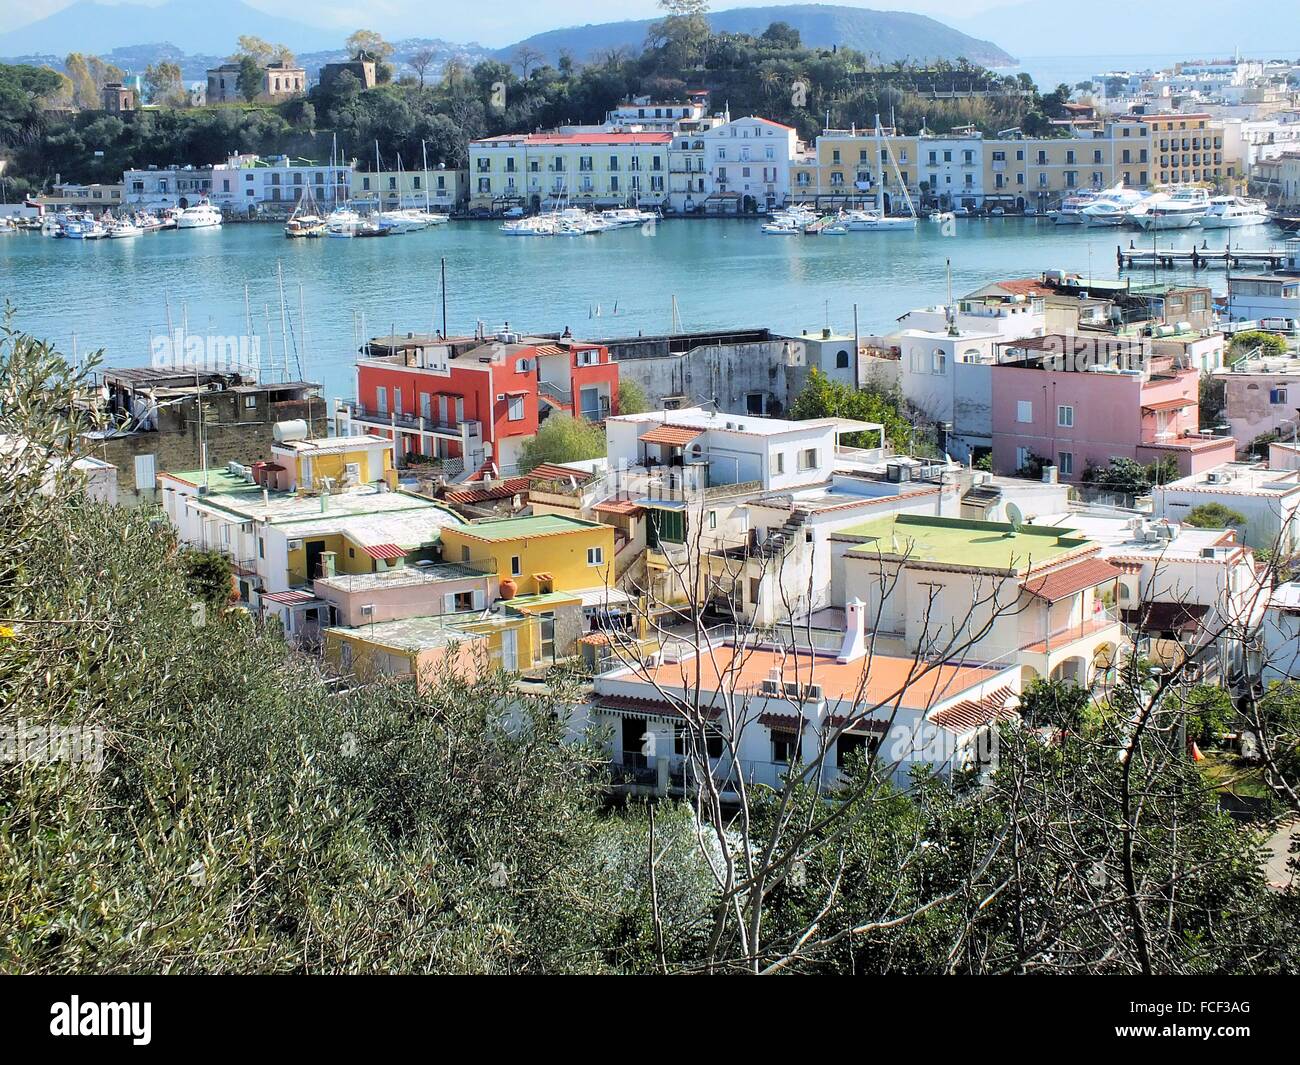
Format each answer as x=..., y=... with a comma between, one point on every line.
x=1130, y=477
x=772, y=74
x=822, y=397
x=1242, y=344
x=631, y=398
x=562, y=438
x=1213, y=516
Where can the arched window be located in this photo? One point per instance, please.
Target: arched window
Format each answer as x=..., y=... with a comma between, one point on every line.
x=841, y=360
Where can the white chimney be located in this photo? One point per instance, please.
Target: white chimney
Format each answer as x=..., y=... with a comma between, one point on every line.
x=855, y=636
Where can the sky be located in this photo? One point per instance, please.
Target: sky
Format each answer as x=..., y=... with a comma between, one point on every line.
x=496, y=22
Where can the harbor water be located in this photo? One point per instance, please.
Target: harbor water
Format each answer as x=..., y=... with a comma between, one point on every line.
x=123, y=295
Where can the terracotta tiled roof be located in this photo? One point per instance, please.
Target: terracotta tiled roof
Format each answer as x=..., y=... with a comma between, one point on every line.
x=674, y=435
x=1068, y=580
x=618, y=506
x=1167, y=404
x=501, y=490
x=973, y=713
x=548, y=471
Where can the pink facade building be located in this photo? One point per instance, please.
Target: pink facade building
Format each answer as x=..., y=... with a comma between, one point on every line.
x=1077, y=402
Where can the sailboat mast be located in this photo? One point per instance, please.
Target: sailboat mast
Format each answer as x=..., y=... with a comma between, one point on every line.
x=424, y=158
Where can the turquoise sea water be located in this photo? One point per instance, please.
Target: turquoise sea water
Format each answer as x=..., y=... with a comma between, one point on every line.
x=114, y=293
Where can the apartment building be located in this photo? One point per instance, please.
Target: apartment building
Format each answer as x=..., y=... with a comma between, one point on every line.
x=475, y=400
x=596, y=168
x=320, y=507
x=247, y=183
x=746, y=164
x=875, y=168
x=1038, y=598
x=154, y=188
x=1075, y=402
x=440, y=189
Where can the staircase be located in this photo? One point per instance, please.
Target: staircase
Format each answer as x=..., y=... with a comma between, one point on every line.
x=779, y=542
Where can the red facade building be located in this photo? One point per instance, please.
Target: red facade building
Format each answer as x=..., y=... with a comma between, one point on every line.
x=478, y=398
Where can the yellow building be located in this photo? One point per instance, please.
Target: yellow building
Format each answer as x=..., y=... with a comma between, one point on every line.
x=1189, y=148
x=588, y=168
x=855, y=165
x=542, y=553
x=441, y=189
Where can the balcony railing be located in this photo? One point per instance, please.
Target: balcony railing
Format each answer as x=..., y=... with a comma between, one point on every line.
x=360, y=412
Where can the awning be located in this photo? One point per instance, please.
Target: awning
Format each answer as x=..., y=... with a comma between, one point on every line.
x=1166, y=404
x=673, y=435
x=1166, y=617
x=384, y=551
x=293, y=597
x=1066, y=581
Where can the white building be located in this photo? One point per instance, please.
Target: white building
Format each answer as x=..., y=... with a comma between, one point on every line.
x=945, y=359
x=1268, y=499
x=747, y=164
x=246, y=183
x=774, y=711
x=1261, y=395
x=951, y=167
x=1281, y=635
x=155, y=188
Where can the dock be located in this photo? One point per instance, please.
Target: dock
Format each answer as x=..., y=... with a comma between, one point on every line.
x=1135, y=258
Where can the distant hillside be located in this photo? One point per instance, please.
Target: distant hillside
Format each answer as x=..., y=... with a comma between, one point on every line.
x=885, y=35
x=193, y=26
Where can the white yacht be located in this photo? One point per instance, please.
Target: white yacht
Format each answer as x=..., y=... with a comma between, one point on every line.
x=1070, y=213
x=1232, y=212
x=342, y=222
x=199, y=215
x=871, y=221
x=1183, y=209
x=118, y=230
x=623, y=217
x=1111, y=207
x=401, y=221
x=536, y=226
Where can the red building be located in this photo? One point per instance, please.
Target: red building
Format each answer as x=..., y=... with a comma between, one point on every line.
x=477, y=398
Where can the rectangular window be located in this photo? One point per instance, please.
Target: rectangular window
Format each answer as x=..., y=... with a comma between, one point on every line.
x=595, y=556
x=516, y=566
x=1065, y=463
x=1024, y=411
x=516, y=408
x=1277, y=395
x=779, y=462
x=808, y=459
x=785, y=747
x=1065, y=417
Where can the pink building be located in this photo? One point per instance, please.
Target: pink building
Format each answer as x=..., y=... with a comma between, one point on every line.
x=1077, y=402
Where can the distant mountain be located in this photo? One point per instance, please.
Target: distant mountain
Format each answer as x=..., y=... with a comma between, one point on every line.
x=1159, y=27
x=193, y=26
x=888, y=35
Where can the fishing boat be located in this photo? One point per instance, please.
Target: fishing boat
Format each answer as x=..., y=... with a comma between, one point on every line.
x=306, y=220
x=123, y=228
x=84, y=229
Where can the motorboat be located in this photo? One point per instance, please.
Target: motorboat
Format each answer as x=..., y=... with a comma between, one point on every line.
x=84, y=229
x=536, y=226
x=1233, y=212
x=869, y=221
x=942, y=216
x=1070, y=213
x=201, y=215
x=783, y=228
x=1111, y=206
x=1183, y=209
x=307, y=225
x=400, y=221
x=120, y=229
x=624, y=217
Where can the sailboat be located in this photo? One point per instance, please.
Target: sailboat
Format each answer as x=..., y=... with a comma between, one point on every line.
x=306, y=220
x=878, y=220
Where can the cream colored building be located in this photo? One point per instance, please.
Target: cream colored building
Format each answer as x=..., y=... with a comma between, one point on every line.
x=586, y=168
x=446, y=189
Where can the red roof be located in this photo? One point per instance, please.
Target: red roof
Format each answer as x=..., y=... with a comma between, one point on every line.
x=674, y=435
x=618, y=506
x=1167, y=404
x=583, y=138
x=384, y=551
x=1025, y=286
x=1067, y=580
x=549, y=471
x=501, y=490
x=973, y=713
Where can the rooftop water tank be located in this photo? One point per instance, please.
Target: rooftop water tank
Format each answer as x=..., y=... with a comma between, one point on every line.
x=294, y=429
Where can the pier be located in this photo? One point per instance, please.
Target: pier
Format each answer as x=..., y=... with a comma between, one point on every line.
x=1133, y=257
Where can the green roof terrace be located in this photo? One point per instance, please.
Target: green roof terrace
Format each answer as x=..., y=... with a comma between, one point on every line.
x=961, y=543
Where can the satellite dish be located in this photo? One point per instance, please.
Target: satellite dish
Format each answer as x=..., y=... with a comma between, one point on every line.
x=1015, y=517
